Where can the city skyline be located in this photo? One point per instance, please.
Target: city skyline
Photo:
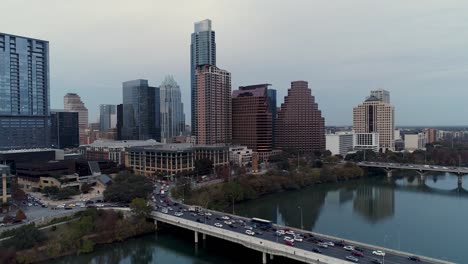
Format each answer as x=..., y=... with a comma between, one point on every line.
x=411, y=54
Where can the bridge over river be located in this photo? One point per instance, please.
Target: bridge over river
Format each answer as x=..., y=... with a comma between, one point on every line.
x=268, y=243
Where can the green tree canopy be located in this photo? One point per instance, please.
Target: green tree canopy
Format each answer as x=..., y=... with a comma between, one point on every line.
x=140, y=207
x=127, y=186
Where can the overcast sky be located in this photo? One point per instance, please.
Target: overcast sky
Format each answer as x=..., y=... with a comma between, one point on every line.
x=418, y=50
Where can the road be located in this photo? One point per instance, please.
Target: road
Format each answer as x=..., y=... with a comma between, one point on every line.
x=419, y=167
x=336, y=251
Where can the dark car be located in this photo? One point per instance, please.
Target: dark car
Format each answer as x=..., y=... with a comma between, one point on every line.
x=357, y=253
x=376, y=261
x=414, y=258
x=317, y=250
x=360, y=249
x=199, y=220
x=340, y=243
x=232, y=226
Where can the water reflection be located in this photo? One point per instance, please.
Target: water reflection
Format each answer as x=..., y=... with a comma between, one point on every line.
x=374, y=203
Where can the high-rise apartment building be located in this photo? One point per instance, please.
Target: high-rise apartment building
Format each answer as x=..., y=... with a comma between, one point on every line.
x=72, y=103
x=300, y=125
x=202, y=52
x=431, y=135
x=107, y=117
x=272, y=105
x=141, y=111
x=252, y=124
x=382, y=95
x=24, y=92
x=65, y=131
x=172, y=110
x=213, y=106
x=376, y=116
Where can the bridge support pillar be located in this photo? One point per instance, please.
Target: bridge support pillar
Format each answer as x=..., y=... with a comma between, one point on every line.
x=203, y=236
x=271, y=256
x=155, y=224
x=422, y=175
x=389, y=173
x=264, y=258
x=460, y=181
x=196, y=236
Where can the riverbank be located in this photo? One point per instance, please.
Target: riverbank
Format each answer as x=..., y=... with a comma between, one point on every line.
x=248, y=187
x=91, y=227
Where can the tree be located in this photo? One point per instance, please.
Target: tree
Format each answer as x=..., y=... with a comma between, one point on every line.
x=20, y=215
x=26, y=237
x=50, y=190
x=87, y=246
x=66, y=192
x=233, y=192
x=203, y=166
x=140, y=207
x=127, y=186
x=18, y=194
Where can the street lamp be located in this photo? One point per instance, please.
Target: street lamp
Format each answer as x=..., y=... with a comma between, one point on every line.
x=302, y=220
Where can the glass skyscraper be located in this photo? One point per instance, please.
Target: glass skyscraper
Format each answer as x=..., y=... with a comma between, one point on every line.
x=24, y=92
x=141, y=111
x=107, y=117
x=65, y=131
x=202, y=52
x=172, y=110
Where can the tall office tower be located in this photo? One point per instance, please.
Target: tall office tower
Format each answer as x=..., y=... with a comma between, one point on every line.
x=72, y=103
x=376, y=116
x=107, y=117
x=274, y=113
x=300, y=125
x=24, y=92
x=202, y=52
x=141, y=111
x=119, y=121
x=65, y=131
x=213, y=106
x=382, y=95
x=172, y=110
x=252, y=118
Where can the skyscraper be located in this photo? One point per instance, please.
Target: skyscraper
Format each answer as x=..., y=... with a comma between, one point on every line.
x=202, y=52
x=141, y=111
x=172, y=110
x=72, y=103
x=300, y=125
x=252, y=118
x=65, y=131
x=24, y=92
x=376, y=116
x=107, y=117
x=213, y=106
x=119, y=121
x=272, y=105
x=382, y=95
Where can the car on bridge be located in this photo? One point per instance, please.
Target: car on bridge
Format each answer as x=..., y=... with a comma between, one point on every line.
x=249, y=232
x=352, y=258
x=376, y=261
x=218, y=225
x=348, y=248
x=414, y=258
x=378, y=253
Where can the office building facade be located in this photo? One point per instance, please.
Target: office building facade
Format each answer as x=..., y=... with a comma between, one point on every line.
x=252, y=124
x=172, y=110
x=24, y=92
x=366, y=141
x=272, y=105
x=376, y=116
x=339, y=143
x=72, y=103
x=300, y=126
x=119, y=121
x=202, y=52
x=107, y=117
x=382, y=95
x=65, y=131
x=140, y=111
x=213, y=106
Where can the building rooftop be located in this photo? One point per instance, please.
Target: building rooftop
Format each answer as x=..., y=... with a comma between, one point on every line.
x=124, y=143
x=104, y=179
x=25, y=150
x=179, y=147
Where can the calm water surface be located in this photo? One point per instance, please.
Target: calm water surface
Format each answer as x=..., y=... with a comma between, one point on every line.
x=428, y=218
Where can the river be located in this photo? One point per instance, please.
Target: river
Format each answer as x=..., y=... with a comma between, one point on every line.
x=428, y=218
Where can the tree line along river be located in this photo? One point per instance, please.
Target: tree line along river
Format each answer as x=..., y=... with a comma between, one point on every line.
x=427, y=218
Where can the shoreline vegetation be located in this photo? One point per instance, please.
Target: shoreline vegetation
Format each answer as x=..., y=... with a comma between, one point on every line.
x=78, y=236
x=251, y=186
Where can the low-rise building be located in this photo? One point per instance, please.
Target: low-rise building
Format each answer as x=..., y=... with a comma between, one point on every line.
x=113, y=150
x=240, y=155
x=415, y=141
x=12, y=157
x=172, y=159
x=339, y=143
x=366, y=141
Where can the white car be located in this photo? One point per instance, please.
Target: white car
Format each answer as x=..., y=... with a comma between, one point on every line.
x=331, y=244
x=289, y=232
x=349, y=248
x=178, y=214
x=286, y=238
x=322, y=245
x=99, y=205
x=248, y=227
x=249, y=232
x=225, y=217
x=298, y=238
x=378, y=253
x=208, y=214
x=228, y=222
x=218, y=225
